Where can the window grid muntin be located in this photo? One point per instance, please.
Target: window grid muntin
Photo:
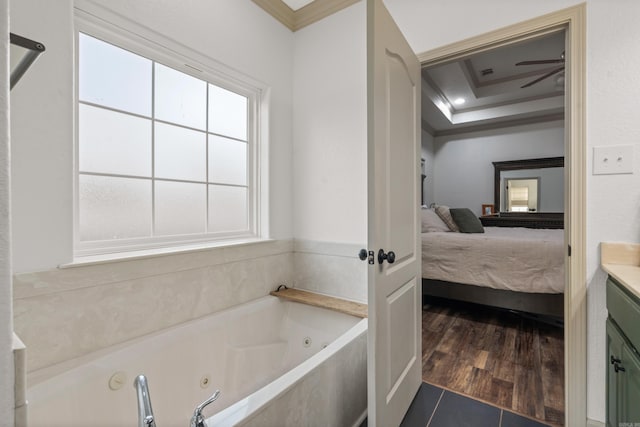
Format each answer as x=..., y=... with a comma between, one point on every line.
x=251, y=165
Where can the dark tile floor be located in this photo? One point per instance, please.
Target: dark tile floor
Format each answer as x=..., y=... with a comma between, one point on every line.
x=436, y=407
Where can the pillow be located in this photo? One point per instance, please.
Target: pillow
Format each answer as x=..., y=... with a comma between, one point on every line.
x=431, y=221
x=467, y=221
x=443, y=213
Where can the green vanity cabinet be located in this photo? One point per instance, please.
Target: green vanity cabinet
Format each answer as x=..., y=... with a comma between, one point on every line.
x=614, y=350
x=623, y=360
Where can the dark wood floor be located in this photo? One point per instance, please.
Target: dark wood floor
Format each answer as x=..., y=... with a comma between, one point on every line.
x=495, y=356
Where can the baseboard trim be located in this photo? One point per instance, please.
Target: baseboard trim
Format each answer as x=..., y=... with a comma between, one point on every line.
x=594, y=423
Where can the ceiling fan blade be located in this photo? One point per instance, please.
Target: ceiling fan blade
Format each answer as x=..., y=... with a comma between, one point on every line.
x=542, y=61
x=549, y=74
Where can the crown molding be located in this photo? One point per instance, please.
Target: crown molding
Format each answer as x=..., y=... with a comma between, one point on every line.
x=279, y=10
x=317, y=10
x=510, y=102
x=307, y=15
x=427, y=128
x=499, y=125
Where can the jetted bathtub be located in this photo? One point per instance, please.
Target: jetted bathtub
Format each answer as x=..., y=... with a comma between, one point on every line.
x=276, y=363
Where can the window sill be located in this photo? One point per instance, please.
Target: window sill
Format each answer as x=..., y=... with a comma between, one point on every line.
x=89, y=260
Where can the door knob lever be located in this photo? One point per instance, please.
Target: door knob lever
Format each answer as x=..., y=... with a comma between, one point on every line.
x=390, y=257
x=618, y=368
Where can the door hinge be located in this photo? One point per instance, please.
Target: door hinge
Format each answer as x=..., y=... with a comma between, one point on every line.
x=569, y=250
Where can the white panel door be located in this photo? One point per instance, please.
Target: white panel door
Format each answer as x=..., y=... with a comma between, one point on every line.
x=394, y=336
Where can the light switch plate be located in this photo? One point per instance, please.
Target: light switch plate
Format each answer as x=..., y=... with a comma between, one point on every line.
x=613, y=159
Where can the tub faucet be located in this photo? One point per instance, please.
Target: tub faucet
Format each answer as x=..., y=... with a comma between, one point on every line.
x=145, y=413
x=198, y=420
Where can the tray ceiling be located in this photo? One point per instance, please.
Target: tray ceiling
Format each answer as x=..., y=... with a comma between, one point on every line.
x=484, y=90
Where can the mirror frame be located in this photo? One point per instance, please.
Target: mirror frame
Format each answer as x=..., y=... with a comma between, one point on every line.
x=509, y=165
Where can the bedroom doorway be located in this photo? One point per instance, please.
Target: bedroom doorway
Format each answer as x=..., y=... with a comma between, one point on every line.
x=570, y=24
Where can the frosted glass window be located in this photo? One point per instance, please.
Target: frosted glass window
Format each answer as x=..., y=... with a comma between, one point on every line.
x=227, y=113
x=113, y=143
x=180, y=153
x=163, y=156
x=180, y=208
x=180, y=98
x=114, y=208
x=227, y=161
x=113, y=77
x=227, y=208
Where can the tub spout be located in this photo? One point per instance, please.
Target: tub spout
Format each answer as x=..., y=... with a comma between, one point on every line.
x=198, y=420
x=145, y=413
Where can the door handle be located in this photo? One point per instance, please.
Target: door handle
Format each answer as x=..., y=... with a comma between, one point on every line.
x=390, y=257
x=618, y=368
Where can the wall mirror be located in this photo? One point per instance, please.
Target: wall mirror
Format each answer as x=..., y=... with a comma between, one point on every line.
x=529, y=185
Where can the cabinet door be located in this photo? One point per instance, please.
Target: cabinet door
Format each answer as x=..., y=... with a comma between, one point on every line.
x=614, y=351
x=629, y=379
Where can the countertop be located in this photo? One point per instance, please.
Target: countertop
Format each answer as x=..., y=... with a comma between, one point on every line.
x=622, y=262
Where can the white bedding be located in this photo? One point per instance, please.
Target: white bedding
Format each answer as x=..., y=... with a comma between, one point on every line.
x=516, y=259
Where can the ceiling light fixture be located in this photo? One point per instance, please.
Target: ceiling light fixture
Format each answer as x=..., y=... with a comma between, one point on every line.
x=459, y=101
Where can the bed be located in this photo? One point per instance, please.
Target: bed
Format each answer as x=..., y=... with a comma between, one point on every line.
x=519, y=269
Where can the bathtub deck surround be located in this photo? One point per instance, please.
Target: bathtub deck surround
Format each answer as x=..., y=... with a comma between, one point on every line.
x=275, y=362
x=325, y=301
x=62, y=314
x=73, y=319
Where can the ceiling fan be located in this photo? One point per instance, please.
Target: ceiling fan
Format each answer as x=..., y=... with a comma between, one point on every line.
x=544, y=61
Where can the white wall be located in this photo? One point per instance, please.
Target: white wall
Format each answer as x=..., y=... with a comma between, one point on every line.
x=6, y=316
x=42, y=138
x=236, y=33
x=430, y=24
x=330, y=129
x=463, y=168
x=330, y=154
x=613, y=201
x=427, y=153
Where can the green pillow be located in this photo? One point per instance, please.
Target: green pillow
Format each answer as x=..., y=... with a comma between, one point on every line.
x=466, y=221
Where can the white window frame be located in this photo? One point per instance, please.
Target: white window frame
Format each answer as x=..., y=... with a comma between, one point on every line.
x=158, y=48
